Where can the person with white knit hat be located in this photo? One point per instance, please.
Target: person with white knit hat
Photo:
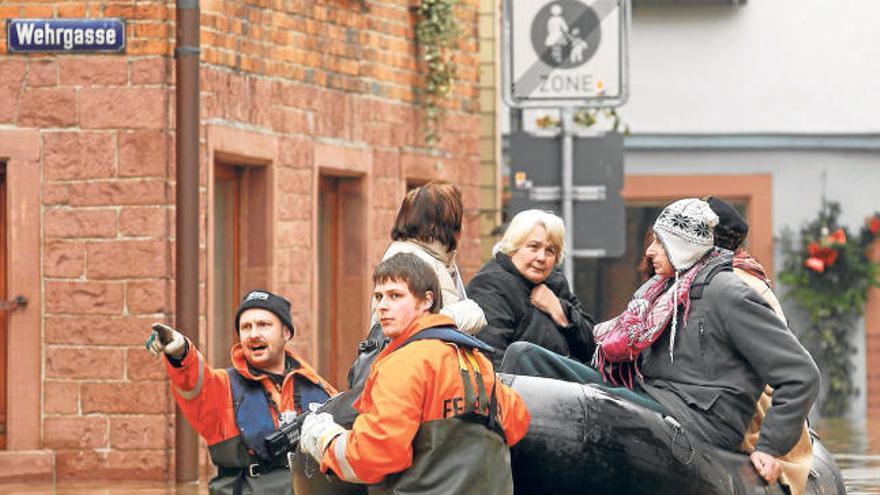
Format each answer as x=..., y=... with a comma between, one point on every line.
x=682, y=237
x=729, y=344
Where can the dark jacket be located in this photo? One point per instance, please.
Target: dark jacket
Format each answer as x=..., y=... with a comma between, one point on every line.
x=733, y=344
x=504, y=293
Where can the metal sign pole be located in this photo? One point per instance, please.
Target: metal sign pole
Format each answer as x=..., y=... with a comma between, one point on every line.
x=567, y=121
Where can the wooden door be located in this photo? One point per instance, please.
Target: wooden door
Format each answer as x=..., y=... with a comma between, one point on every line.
x=227, y=261
x=3, y=314
x=343, y=301
x=328, y=274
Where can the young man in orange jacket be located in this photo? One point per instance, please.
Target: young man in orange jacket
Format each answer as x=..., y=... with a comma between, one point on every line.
x=235, y=409
x=432, y=416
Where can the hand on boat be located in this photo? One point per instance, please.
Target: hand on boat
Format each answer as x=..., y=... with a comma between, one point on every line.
x=767, y=466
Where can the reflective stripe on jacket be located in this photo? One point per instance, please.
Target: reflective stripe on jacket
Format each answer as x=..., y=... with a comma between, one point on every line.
x=405, y=389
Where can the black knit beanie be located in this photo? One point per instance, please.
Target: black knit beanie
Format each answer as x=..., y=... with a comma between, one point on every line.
x=264, y=299
x=732, y=228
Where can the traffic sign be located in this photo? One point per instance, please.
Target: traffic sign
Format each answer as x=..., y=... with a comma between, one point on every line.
x=565, y=53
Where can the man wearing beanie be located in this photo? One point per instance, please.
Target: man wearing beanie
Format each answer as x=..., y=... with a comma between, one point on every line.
x=722, y=345
x=235, y=409
x=730, y=233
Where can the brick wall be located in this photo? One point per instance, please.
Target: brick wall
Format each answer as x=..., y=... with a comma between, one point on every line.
x=329, y=82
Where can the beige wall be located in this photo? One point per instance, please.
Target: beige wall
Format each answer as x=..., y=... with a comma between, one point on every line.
x=490, y=145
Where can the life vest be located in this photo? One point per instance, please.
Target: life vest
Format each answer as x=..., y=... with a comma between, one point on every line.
x=244, y=460
x=466, y=453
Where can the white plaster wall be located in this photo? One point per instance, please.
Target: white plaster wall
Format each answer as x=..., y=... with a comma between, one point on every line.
x=775, y=66
x=799, y=178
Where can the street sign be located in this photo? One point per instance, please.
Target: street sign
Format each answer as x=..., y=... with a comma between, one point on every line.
x=565, y=53
x=598, y=217
x=65, y=35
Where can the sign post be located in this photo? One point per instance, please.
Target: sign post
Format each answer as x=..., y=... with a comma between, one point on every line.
x=568, y=54
x=567, y=120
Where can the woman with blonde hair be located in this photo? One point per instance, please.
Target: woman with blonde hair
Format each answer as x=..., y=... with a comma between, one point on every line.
x=525, y=298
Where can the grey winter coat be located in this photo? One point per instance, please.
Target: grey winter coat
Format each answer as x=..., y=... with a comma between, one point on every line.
x=732, y=345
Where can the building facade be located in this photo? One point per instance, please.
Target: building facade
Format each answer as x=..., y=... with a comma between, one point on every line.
x=311, y=132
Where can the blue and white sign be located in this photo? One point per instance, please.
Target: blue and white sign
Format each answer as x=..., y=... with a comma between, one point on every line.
x=65, y=35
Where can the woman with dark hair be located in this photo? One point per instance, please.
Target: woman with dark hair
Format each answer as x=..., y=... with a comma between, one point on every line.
x=428, y=225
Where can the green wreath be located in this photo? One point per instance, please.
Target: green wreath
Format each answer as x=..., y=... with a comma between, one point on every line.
x=828, y=273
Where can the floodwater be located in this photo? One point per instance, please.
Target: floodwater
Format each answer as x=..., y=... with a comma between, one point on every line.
x=856, y=447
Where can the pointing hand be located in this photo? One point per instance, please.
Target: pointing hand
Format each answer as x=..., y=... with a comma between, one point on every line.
x=164, y=339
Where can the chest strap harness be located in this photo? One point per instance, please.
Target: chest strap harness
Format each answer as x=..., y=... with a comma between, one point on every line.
x=479, y=408
x=251, y=404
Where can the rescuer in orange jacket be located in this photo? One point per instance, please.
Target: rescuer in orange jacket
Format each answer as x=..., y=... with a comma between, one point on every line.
x=236, y=408
x=421, y=424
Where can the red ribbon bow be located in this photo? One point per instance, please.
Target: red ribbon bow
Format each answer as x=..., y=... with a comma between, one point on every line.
x=874, y=225
x=824, y=255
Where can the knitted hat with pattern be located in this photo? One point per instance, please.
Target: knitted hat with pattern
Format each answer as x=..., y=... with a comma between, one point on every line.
x=685, y=230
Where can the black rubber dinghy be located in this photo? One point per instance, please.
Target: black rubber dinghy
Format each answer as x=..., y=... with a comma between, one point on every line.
x=583, y=440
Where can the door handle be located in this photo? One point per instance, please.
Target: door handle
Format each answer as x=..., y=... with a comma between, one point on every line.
x=18, y=301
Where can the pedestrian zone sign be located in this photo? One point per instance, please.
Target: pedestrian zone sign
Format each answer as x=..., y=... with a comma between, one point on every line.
x=561, y=53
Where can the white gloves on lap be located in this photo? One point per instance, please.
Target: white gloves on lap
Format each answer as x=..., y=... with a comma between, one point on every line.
x=165, y=339
x=318, y=430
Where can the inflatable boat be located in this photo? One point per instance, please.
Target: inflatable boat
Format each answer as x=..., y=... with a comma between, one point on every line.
x=583, y=440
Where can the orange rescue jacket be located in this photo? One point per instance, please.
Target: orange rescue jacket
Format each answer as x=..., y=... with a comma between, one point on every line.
x=405, y=389
x=205, y=397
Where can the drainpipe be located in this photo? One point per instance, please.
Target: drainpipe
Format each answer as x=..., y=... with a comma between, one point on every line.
x=186, y=54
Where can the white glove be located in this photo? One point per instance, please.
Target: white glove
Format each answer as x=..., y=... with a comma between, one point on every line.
x=318, y=430
x=166, y=339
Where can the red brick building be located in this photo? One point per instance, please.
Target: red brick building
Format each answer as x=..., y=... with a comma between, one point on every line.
x=310, y=134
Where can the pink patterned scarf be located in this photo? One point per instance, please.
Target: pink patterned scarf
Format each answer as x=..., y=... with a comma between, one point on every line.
x=623, y=338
